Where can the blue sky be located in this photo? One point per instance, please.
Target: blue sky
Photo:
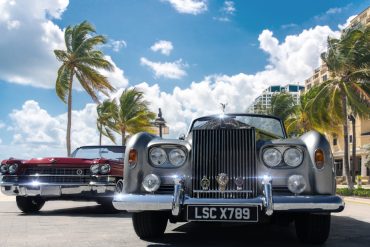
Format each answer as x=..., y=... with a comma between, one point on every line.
x=207, y=52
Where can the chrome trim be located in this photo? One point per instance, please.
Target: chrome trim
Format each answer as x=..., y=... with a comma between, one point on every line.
x=224, y=191
x=321, y=203
x=178, y=196
x=267, y=191
x=55, y=190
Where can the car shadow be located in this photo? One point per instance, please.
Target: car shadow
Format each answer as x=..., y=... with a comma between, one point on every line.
x=345, y=231
x=95, y=211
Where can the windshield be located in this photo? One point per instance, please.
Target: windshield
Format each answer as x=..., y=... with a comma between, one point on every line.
x=266, y=124
x=112, y=153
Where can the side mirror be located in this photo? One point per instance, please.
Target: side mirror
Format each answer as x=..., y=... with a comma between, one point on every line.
x=182, y=137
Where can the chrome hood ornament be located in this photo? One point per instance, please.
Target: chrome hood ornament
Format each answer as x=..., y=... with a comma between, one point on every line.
x=222, y=180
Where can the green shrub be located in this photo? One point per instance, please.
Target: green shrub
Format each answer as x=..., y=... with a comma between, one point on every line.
x=355, y=192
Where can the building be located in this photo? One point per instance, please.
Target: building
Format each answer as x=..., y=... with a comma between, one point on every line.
x=361, y=19
x=263, y=102
x=319, y=76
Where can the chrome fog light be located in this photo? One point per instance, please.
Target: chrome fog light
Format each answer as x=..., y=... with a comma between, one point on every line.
x=94, y=169
x=296, y=184
x=13, y=168
x=151, y=183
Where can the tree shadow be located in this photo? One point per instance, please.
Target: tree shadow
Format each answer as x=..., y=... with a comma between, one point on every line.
x=345, y=231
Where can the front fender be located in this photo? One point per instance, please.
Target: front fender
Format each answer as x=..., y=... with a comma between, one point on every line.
x=323, y=179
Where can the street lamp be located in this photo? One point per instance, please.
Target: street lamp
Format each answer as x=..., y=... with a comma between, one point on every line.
x=160, y=122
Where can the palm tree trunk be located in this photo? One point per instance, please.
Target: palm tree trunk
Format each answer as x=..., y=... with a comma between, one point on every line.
x=123, y=133
x=100, y=138
x=346, y=148
x=69, y=119
x=354, y=158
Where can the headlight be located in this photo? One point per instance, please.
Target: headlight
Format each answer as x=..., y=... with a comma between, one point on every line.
x=94, y=169
x=296, y=184
x=13, y=168
x=272, y=157
x=177, y=157
x=104, y=169
x=293, y=157
x=157, y=156
x=151, y=183
x=3, y=169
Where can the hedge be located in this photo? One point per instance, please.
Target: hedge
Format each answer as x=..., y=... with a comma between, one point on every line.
x=355, y=192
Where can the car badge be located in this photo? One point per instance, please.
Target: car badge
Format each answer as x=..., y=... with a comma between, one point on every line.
x=79, y=172
x=222, y=180
x=204, y=183
x=239, y=182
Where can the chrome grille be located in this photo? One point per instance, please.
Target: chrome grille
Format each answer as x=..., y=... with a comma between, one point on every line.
x=230, y=151
x=59, y=174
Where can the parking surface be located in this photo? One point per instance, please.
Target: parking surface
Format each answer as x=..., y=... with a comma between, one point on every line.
x=86, y=224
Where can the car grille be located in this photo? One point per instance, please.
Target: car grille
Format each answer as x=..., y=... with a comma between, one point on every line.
x=59, y=174
x=229, y=151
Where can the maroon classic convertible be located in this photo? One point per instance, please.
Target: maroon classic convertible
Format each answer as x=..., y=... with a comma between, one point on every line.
x=91, y=174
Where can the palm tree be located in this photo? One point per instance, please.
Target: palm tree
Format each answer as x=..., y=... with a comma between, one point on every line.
x=282, y=105
x=105, y=115
x=81, y=60
x=348, y=60
x=130, y=114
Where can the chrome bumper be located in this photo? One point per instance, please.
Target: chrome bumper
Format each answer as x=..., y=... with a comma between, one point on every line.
x=57, y=190
x=267, y=202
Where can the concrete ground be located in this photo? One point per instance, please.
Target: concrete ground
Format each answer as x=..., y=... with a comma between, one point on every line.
x=77, y=224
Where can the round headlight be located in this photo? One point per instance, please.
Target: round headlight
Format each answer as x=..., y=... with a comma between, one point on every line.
x=296, y=184
x=272, y=157
x=151, y=182
x=94, y=169
x=13, y=168
x=177, y=157
x=293, y=157
x=158, y=156
x=104, y=169
x=4, y=169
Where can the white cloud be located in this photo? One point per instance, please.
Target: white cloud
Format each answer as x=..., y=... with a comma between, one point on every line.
x=193, y=7
x=116, y=45
x=334, y=11
x=348, y=22
x=172, y=70
x=290, y=61
x=1, y=141
x=2, y=125
x=43, y=134
x=163, y=46
x=228, y=9
x=28, y=39
x=117, y=76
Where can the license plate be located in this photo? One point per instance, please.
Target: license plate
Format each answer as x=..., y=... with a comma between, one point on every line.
x=223, y=213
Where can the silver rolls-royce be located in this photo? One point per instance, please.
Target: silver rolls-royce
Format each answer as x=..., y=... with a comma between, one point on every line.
x=230, y=168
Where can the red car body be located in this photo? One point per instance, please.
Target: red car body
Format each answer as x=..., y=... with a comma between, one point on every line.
x=38, y=180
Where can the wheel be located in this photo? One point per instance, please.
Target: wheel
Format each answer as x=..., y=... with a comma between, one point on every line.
x=150, y=224
x=29, y=204
x=313, y=228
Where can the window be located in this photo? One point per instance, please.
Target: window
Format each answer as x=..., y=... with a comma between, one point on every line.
x=335, y=141
x=350, y=138
x=325, y=77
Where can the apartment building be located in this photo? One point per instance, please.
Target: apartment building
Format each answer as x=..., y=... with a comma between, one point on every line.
x=263, y=101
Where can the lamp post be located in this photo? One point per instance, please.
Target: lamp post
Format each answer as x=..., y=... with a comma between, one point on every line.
x=160, y=122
